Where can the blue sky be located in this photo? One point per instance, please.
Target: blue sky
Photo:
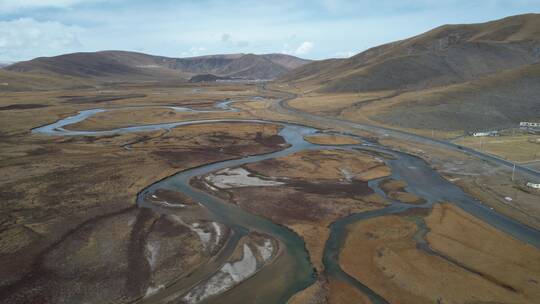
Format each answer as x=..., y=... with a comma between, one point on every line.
x=312, y=29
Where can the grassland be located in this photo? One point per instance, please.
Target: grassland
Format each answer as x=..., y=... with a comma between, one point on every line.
x=517, y=148
x=473, y=261
x=68, y=202
x=68, y=216
x=329, y=139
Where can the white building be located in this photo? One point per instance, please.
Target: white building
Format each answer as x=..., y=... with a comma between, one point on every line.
x=526, y=124
x=533, y=185
x=487, y=133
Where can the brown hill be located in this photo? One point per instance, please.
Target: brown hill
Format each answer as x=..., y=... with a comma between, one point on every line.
x=496, y=101
x=14, y=81
x=452, y=78
x=120, y=65
x=445, y=55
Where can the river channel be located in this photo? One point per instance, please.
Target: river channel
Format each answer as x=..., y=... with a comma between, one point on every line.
x=293, y=267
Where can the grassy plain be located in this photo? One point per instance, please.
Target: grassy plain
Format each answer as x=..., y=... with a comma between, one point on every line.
x=518, y=148
x=70, y=230
x=61, y=197
x=473, y=262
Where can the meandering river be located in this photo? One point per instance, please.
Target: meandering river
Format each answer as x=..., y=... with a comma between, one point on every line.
x=293, y=267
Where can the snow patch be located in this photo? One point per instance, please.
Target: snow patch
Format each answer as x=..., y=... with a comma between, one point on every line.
x=152, y=249
x=238, y=177
x=203, y=235
x=226, y=277
x=178, y=219
x=217, y=229
x=152, y=290
x=148, y=66
x=167, y=204
x=266, y=250
x=131, y=221
x=347, y=174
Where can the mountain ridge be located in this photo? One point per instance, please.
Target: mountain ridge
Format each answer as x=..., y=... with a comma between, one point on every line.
x=133, y=65
x=444, y=55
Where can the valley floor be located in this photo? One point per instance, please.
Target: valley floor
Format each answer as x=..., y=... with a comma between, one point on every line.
x=219, y=193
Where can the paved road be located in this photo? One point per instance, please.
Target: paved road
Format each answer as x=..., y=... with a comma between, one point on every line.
x=283, y=107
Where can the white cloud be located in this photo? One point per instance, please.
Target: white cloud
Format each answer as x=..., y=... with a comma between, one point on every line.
x=304, y=48
x=170, y=27
x=194, y=51
x=27, y=38
x=230, y=42
x=15, y=5
x=225, y=37
x=344, y=54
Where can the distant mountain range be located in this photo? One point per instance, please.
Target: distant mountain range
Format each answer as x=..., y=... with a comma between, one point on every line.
x=121, y=65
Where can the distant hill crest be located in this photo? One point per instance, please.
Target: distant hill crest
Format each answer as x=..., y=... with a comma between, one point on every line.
x=123, y=65
x=448, y=54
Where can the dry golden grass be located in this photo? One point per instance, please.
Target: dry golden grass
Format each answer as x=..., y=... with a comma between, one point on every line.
x=492, y=190
x=396, y=190
x=315, y=236
x=314, y=294
x=477, y=245
x=331, y=103
x=407, y=198
x=326, y=164
x=519, y=148
x=332, y=291
x=390, y=263
x=144, y=116
x=52, y=185
x=15, y=81
x=58, y=105
x=343, y=293
x=393, y=185
x=325, y=139
x=361, y=107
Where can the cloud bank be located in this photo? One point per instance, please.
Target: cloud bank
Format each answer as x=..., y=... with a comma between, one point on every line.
x=313, y=29
x=28, y=38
